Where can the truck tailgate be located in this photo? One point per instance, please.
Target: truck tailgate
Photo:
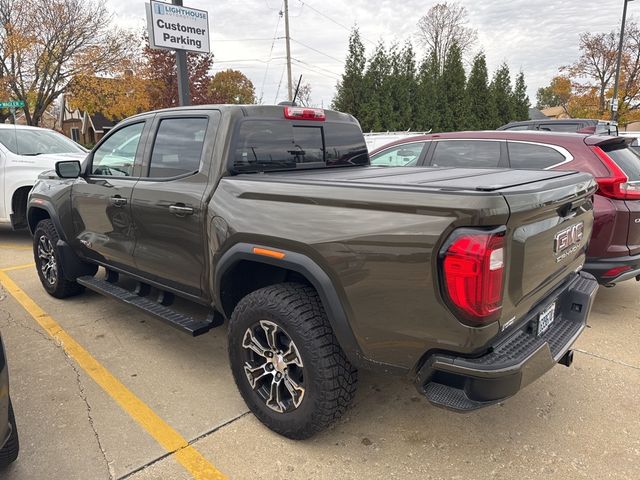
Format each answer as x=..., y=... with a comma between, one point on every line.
x=548, y=232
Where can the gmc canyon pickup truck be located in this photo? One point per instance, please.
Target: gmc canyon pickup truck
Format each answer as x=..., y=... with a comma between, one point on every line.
x=467, y=280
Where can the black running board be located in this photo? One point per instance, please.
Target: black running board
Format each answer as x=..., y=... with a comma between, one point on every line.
x=180, y=321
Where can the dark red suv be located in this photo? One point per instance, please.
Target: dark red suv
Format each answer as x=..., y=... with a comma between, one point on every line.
x=614, y=251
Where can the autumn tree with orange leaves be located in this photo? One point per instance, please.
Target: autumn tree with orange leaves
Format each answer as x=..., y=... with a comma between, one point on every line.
x=162, y=76
x=232, y=86
x=585, y=88
x=44, y=44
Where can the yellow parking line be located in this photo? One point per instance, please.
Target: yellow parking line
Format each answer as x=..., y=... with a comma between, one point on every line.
x=14, y=246
x=18, y=267
x=165, y=435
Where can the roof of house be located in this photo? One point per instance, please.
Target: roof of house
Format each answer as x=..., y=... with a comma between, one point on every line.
x=535, y=114
x=99, y=121
x=555, y=112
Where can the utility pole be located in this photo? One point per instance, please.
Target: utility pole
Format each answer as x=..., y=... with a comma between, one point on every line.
x=614, y=101
x=286, y=34
x=184, y=95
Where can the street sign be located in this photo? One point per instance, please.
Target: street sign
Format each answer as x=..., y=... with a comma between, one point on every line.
x=175, y=27
x=12, y=104
x=614, y=105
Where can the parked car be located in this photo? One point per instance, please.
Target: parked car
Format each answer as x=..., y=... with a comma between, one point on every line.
x=569, y=125
x=25, y=152
x=467, y=281
x=614, y=250
x=9, y=443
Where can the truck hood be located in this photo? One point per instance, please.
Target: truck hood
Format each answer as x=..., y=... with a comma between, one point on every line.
x=48, y=160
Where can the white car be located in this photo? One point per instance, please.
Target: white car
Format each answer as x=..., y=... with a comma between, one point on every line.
x=26, y=152
x=378, y=139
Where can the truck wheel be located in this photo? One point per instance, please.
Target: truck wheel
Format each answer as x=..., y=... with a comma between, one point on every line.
x=9, y=452
x=48, y=263
x=287, y=362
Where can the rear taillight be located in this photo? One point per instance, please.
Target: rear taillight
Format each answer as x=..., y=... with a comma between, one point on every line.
x=616, y=271
x=472, y=266
x=303, y=113
x=617, y=184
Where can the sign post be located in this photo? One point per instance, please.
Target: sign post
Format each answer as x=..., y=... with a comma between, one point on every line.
x=12, y=105
x=175, y=27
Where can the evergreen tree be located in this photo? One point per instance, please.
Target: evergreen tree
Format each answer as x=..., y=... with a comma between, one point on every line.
x=482, y=112
x=404, y=87
x=454, y=107
x=502, y=96
x=376, y=108
x=350, y=92
x=520, y=99
x=427, y=114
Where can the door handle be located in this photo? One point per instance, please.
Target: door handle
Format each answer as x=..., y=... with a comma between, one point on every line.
x=180, y=210
x=117, y=201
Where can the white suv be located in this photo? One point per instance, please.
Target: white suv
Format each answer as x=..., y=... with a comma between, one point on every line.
x=26, y=152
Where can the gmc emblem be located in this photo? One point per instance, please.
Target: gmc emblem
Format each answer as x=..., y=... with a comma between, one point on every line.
x=567, y=237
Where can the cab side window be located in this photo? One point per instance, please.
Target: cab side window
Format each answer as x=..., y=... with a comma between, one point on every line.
x=178, y=147
x=116, y=156
x=405, y=155
x=526, y=155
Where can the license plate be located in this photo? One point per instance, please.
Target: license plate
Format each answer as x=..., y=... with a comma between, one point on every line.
x=546, y=318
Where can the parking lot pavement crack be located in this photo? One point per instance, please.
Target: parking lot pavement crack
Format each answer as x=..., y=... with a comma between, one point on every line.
x=83, y=396
x=188, y=444
x=11, y=321
x=624, y=364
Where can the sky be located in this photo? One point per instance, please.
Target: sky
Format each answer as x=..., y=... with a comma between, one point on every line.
x=535, y=36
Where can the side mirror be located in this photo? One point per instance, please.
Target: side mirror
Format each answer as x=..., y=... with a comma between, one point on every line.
x=68, y=169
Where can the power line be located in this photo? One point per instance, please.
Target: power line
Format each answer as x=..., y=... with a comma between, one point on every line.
x=239, y=60
x=244, y=39
x=316, y=69
x=317, y=51
x=266, y=70
x=334, y=21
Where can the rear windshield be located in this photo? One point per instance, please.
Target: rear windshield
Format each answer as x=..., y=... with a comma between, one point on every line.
x=263, y=145
x=627, y=159
x=606, y=129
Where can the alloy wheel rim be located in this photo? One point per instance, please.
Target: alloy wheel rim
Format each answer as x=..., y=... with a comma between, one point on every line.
x=273, y=366
x=47, y=260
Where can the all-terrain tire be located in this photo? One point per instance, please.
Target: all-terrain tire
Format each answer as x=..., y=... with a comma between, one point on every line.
x=9, y=452
x=45, y=237
x=328, y=378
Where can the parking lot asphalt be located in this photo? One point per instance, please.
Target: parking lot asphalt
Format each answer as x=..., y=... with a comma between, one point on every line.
x=102, y=391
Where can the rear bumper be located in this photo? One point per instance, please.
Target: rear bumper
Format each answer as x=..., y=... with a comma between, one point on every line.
x=604, y=269
x=465, y=384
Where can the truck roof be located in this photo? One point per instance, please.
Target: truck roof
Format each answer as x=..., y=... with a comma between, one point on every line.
x=259, y=111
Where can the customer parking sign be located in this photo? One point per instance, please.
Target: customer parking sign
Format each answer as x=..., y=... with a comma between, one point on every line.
x=178, y=28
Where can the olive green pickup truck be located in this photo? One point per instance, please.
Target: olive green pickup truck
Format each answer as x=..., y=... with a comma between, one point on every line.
x=467, y=280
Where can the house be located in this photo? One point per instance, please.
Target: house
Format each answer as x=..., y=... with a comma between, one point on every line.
x=83, y=127
x=535, y=114
x=555, y=112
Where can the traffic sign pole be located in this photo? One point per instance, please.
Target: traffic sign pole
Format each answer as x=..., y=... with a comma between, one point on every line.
x=184, y=94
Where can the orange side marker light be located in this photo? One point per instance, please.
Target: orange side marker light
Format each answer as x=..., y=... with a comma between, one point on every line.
x=268, y=253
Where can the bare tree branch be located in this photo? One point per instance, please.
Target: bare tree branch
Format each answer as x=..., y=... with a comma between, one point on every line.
x=45, y=43
x=444, y=25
